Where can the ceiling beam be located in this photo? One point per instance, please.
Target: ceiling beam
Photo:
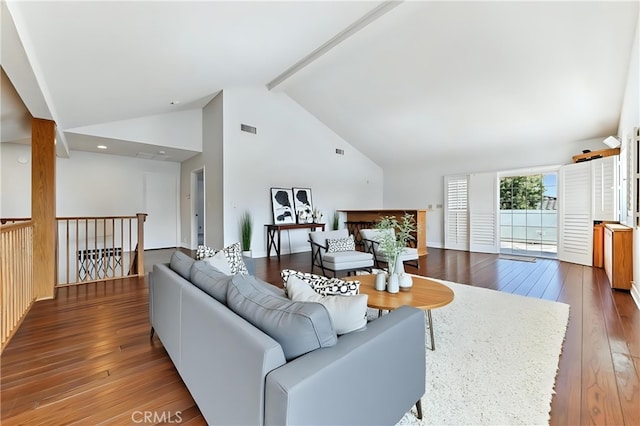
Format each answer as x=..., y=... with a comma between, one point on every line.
x=25, y=75
x=352, y=29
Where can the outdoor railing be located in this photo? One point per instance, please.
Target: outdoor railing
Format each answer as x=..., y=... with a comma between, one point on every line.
x=17, y=292
x=101, y=248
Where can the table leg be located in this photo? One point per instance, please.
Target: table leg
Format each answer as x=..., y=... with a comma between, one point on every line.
x=278, y=248
x=433, y=342
x=271, y=242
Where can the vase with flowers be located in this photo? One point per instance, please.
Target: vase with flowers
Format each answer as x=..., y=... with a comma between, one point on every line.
x=393, y=237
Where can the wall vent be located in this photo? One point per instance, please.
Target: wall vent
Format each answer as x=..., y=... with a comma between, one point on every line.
x=339, y=151
x=150, y=156
x=248, y=129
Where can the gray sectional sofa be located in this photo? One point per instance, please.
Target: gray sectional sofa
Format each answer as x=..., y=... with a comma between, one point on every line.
x=250, y=356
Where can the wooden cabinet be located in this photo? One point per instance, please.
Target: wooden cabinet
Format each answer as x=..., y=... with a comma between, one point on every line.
x=598, y=245
x=371, y=216
x=618, y=255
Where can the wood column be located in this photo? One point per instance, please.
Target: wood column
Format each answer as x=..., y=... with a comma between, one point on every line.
x=43, y=206
x=142, y=217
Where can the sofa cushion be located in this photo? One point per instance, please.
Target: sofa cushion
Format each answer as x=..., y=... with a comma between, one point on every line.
x=299, y=327
x=210, y=280
x=323, y=285
x=181, y=263
x=348, y=313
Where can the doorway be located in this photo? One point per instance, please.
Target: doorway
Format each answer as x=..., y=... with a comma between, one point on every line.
x=197, y=208
x=529, y=215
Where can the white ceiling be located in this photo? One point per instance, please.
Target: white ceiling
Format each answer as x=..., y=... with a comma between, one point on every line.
x=425, y=78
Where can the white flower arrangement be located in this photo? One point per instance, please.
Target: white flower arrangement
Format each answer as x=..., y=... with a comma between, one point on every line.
x=393, y=243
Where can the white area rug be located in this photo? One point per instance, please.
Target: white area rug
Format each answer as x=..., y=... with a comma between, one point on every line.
x=495, y=361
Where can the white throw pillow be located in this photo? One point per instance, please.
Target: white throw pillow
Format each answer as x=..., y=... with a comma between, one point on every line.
x=220, y=262
x=348, y=313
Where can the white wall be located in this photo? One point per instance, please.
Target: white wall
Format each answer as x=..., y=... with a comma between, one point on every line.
x=630, y=118
x=421, y=185
x=186, y=168
x=87, y=184
x=211, y=160
x=15, y=180
x=291, y=149
x=630, y=114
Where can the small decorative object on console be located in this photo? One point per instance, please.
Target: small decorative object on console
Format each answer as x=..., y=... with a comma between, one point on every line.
x=317, y=216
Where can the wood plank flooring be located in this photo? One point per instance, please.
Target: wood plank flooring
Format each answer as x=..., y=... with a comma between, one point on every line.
x=86, y=358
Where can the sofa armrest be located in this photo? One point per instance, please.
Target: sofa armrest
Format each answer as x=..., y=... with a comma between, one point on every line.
x=370, y=377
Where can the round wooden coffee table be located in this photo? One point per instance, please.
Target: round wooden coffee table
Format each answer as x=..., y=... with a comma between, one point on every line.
x=425, y=294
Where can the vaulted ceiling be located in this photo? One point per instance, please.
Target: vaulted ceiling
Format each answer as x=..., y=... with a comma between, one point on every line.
x=428, y=78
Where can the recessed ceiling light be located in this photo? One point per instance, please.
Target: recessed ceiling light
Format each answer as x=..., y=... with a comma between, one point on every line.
x=161, y=152
x=174, y=102
x=102, y=147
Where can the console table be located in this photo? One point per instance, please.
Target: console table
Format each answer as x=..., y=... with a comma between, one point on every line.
x=362, y=218
x=273, y=233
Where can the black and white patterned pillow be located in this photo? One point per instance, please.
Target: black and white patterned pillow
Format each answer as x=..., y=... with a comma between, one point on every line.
x=233, y=253
x=323, y=285
x=341, y=244
x=204, y=251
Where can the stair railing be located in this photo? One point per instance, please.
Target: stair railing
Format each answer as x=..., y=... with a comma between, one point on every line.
x=17, y=288
x=99, y=248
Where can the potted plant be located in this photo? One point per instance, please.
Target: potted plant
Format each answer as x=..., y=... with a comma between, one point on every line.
x=393, y=243
x=246, y=230
x=336, y=221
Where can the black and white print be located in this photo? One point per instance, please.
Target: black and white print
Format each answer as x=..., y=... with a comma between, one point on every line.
x=303, y=205
x=282, y=205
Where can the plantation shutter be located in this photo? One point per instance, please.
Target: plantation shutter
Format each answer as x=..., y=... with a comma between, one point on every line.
x=456, y=226
x=575, y=243
x=483, y=204
x=605, y=188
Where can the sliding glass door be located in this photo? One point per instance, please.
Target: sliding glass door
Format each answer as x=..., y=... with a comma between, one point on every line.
x=529, y=215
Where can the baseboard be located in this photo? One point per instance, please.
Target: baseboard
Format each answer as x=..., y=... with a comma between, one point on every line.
x=435, y=245
x=635, y=294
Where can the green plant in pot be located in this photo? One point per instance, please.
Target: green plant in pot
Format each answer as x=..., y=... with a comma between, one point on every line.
x=246, y=231
x=393, y=243
x=335, y=223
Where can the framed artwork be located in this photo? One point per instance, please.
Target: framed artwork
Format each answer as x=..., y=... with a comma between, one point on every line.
x=282, y=205
x=302, y=205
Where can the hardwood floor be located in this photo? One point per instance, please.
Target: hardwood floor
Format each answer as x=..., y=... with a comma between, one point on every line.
x=85, y=357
